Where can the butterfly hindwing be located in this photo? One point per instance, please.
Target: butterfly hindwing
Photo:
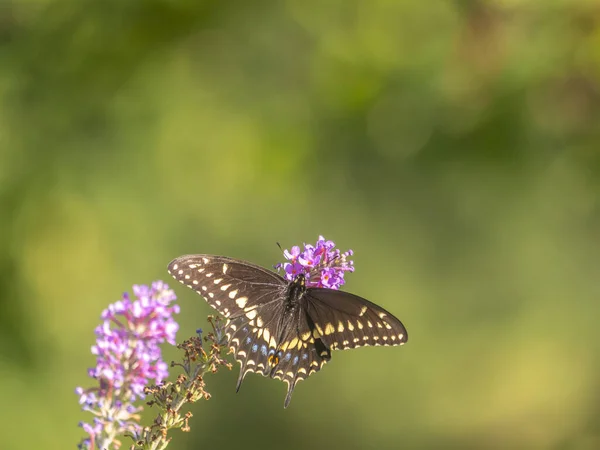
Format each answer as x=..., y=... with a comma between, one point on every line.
x=300, y=353
x=346, y=320
x=249, y=348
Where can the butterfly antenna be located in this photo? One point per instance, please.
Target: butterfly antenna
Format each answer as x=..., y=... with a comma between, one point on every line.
x=279, y=245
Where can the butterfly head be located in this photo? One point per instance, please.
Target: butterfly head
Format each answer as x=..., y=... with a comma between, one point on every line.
x=300, y=279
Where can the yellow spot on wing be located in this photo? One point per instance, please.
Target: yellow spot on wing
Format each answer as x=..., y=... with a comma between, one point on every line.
x=363, y=310
x=225, y=267
x=329, y=329
x=350, y=326
x=233, y=293
x=251, y=314
x=241, y=301
x=293, y=342
x=266, y=335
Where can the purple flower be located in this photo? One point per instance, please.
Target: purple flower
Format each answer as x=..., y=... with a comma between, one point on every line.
x=128, y=358
x=321, y=264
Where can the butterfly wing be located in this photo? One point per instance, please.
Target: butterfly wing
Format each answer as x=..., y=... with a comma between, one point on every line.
x=345, y=320
x=331, y=319
x=231, y=286
x=249, y=296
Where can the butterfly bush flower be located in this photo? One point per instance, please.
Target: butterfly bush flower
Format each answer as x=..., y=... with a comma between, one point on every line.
x=322, y=264
x=128, y=358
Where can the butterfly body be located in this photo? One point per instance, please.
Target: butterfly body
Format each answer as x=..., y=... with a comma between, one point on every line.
x=283, y=329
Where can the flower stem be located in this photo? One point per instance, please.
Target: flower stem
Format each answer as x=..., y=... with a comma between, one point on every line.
x=170, y=397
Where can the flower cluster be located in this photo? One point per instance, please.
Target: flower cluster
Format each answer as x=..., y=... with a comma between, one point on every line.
x=128, y=359
x=322, y=265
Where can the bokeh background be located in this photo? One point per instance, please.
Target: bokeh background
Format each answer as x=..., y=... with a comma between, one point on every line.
x=454, y=145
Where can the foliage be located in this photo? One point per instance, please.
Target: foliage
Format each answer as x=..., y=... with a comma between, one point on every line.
x=453, y=144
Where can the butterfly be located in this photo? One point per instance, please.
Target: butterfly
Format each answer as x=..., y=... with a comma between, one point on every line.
x=283, y=329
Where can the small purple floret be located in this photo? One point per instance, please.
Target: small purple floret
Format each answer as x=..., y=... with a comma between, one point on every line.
x=322, y=264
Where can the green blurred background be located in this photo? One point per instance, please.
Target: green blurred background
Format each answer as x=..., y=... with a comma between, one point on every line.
x=454, y=145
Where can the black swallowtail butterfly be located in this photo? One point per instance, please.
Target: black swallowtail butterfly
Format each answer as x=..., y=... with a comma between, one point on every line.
x=282, y=329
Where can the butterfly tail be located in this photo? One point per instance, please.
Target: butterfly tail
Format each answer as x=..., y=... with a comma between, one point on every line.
x=241, y=376
x=288, y=398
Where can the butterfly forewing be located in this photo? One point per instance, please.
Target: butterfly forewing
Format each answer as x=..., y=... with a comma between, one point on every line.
x=347, y=321
x=230, y=286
